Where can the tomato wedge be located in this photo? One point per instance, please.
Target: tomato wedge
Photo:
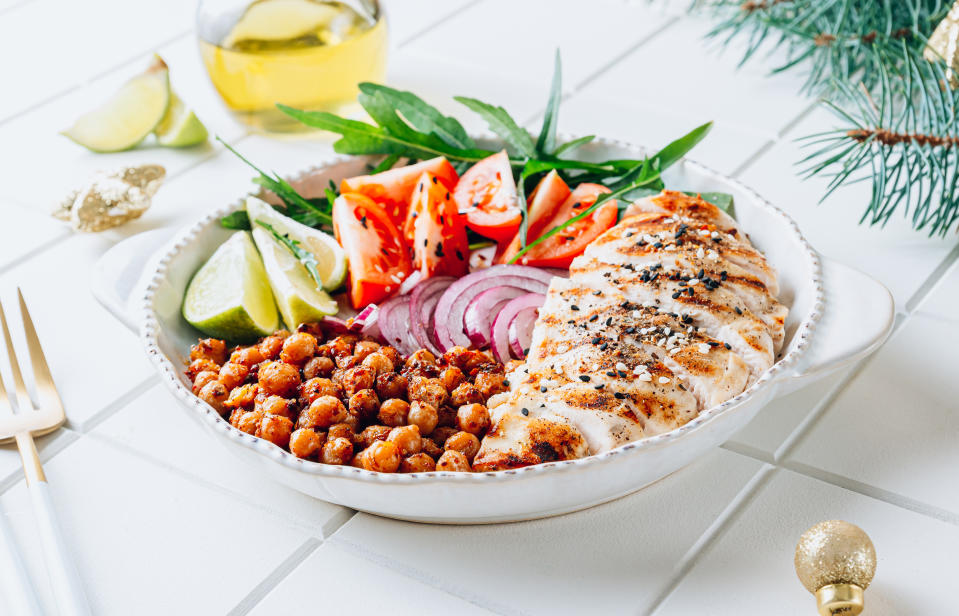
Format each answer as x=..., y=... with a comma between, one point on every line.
x=487, y=193
x=545, y=199
x=560, y=249
x=378, y=259
x=438, y=231
x=392, y=189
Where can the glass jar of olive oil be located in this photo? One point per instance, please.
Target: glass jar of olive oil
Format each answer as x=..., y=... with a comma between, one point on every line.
x=309, y=54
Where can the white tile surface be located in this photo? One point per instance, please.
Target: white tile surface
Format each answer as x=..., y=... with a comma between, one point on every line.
x=15, y=244
x=344, y=583
x=614, y=559
x=943, y=299
x=157, y=426
x=896, y=427
x=589, y=35
x=407, y=18
x=147, y=541
x=753, y=562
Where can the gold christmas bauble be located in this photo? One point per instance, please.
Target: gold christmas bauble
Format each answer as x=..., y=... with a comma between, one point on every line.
x=836, y=561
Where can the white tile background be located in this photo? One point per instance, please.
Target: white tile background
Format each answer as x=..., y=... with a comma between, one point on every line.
x=184, y=529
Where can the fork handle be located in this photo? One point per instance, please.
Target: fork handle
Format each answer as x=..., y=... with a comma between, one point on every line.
x=14, y=581
x=64, y=579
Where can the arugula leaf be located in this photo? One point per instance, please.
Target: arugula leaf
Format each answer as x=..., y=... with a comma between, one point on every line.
x=723, y=201
x=501, y=123
x=678, y=148
x=303, y=256
x=236, y=220
x=546, y=142
x=330, y=195
x=575, y=143
x=386, y=164
x=423, y=116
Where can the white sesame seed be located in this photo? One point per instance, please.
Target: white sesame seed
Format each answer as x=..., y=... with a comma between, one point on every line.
x=700, y=253
x=646, y=377
x=635, y=314
x=662, y=342
x=676, y=350
x=562, y=348
x=639, y=370
x=670, y=247
x=704, y=231
x=666, y=330
x=714, y=234
x=713, y=255
x=693, y=281
x=648, y=304
x=621, y=366
x=664, y=379
x=595, y=367
x=703, y=348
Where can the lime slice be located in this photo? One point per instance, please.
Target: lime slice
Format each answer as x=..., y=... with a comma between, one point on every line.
x=330, y=258
x=280, y=20
x=295, y=291
x=180, y=127
x=229, y=297
x=129, y=116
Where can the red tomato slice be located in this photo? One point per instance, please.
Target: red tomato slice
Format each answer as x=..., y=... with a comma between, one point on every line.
x=378, y=259
x=487, y=193
x=440, y=247
x=392, y=189
x=560, y=249
x=545, y=199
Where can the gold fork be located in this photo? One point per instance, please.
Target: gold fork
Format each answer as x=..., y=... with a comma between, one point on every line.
x=23, y=425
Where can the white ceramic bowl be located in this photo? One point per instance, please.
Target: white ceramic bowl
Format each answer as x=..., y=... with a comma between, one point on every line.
x=837, y=315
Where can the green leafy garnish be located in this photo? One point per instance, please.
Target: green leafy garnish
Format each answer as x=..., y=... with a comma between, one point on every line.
x=723, y=201
x=423, y=116
x=303, y=256
x=501, y=123
x=572, y=145
x=386, y=164
x=236, y=220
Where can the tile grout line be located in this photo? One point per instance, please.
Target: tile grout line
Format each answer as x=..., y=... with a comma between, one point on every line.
x=436, y=23
x=121, y=401
x=932, y=280
x=34, y=252
x=15, y=6
x=726, y=518
x=273, y=579
x=47, y=453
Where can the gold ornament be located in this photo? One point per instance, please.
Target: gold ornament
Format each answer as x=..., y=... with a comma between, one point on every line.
x=111, y=199
x=835, y=561
x=944, y=44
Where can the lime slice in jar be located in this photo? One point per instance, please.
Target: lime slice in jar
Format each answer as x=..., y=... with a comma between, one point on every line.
x=229, y=296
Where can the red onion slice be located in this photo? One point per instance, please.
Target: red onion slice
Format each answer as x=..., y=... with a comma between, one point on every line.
x=479, y=315
x=423, y=302
x=520, y=331
x=394, y=322
x=454, y=301
x=333, y=326
x=500, y=343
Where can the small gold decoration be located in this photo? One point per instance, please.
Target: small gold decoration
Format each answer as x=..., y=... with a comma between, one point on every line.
x=835, y=561
x=111, y=199
x=944, y=44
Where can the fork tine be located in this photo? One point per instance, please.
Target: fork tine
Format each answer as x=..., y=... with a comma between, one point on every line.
x=24, y=404
x=41, y=371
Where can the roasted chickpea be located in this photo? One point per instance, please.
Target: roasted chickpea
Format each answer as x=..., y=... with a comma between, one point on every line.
x=317, y=387
x=424, y=416
x=466, y=393
x=353, y=422
x=341, y=430
x=202, y=379
x=393, y=355
x=215, y=394
x=318, y=366
x=465, y=443
x=422, y=356
x=279, y=378
x=275, y=405
x=473, y=418
x=442, y=433
x=324, y=350
x=336, y=451
x=451, y=378
x=378, y=363
x=382, y=457
x=446, y=416
x=357, y=459
x=298, y=348
x=342, y=345
x=356, y=379
x=391, y=385
x=275, y=429
x=209, y=348
x=305, y=443
x=242, y=396
x=430, y=391
x=270, y=346
x=364, y=404
x=372, y=434
x=322, y=413
x=364, y=348
x=394, y=412
x=418, y=463
x=249, y=421
x=489, y=384
x=407, y=439
x=431, y=448
x=248, y=356
x=202, y=365
x=233, y=374
x=453, y=461
x=314, y=329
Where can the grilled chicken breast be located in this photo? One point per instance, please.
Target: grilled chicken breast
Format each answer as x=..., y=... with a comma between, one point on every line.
x=668, y=313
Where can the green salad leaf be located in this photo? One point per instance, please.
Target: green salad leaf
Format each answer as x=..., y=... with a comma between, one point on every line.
x=302, y=255
x=501, y=123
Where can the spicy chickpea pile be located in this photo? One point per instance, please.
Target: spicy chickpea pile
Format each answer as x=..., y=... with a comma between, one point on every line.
x=350, y=400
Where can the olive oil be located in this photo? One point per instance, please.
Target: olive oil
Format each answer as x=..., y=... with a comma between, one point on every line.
x=308, y=54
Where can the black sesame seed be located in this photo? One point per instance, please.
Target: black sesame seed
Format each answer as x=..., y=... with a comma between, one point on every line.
x=658, y=245
x=525, y=411
x=584, y=378
x=622, y=373
x=542, y=389
x=459, y=255
x=738, y=311
x=593, y=318
x=619, y=395
x=676, y=295
x=610, y=373
x=689, y=291
x=727, y=345
x=600, y=386
x=505, y=383
x=609, y=321
x=604, y=346
x=434, y=179
x=597, y=340
x=574, y=307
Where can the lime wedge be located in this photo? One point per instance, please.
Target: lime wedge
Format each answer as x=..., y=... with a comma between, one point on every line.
x=129, y=116
x=295, y=291
x=180, y=127
x=229, y=297
x=330, y=258
x=279, y=20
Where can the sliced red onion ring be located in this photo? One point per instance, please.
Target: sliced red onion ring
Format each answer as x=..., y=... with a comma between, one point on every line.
x=332, y=326
x=414, y=279
x=500, y=343
x=366, y=318
x=423, y=302
x=479, y=315
x=394, y=322
x=454, y=301
x=521, y=331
